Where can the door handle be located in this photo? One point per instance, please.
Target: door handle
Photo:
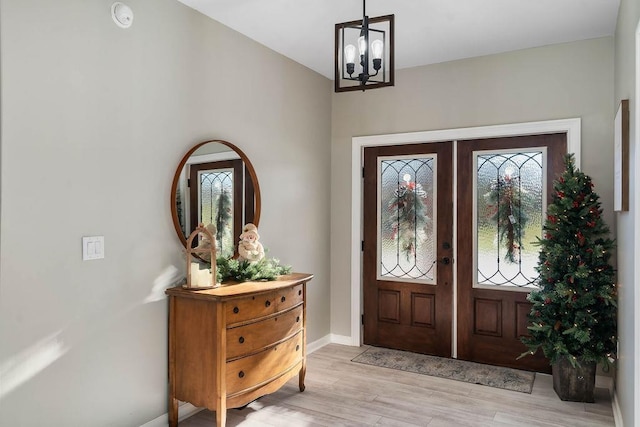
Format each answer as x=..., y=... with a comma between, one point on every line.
x=446, y=260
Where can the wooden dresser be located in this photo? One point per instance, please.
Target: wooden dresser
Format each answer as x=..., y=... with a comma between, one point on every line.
x=232, y=344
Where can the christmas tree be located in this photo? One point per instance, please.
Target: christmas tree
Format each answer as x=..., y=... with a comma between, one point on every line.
x=574, y=308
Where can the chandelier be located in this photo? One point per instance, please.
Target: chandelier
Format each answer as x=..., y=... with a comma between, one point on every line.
x=370, y=64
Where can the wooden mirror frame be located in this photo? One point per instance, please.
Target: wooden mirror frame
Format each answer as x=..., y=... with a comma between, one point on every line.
x=176, y=179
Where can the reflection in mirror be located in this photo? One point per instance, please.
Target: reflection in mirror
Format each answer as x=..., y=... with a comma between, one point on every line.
x=215, y=184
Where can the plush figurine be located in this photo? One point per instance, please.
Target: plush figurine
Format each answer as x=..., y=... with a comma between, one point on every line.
x=249, y=248
x=205, y=243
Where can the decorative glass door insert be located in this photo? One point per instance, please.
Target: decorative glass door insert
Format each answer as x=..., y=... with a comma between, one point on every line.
x=509, y=201
x=406, y=237
x=215, y=189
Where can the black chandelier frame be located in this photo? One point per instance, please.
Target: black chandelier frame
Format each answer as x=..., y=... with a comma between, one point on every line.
x=366, y=78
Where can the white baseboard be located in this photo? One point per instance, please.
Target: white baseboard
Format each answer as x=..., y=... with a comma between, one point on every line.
x=318, y=344
x=617, y=412
x=185, y=410
x=603, y=381
x=330, y=339
x=343, y=340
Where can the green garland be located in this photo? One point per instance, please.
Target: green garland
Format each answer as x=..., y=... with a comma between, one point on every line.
x=245, y=271
x=223, y=218
x=505, y=196
x=179, y=210
x=406, y=217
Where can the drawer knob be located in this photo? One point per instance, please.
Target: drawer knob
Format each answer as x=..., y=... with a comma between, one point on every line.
x=241, y=340
x=241, y=374
x=297, y=347
x=298, y=319
x=236, y=310
x=283, y=299
x=267, y=303
x=300, y=292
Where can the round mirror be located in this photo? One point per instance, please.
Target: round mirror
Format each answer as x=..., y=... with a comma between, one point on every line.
x=215, y=183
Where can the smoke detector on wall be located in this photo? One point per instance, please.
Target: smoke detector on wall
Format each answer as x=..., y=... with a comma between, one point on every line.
x=122, y=14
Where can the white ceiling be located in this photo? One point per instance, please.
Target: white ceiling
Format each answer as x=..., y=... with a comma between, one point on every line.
x=426, y=31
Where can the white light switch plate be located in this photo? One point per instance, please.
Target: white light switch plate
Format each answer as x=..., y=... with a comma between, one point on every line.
x=92, y=247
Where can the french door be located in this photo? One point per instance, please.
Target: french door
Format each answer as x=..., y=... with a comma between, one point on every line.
x=503, y=186
x=407, y=249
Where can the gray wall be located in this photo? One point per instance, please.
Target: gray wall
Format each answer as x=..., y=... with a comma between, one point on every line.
x=84, y=103
x=553, y=82
x=94, y=121
x=625, y=87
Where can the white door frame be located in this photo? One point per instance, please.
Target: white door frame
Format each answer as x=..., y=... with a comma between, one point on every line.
x=570, y=126
x=635, y=187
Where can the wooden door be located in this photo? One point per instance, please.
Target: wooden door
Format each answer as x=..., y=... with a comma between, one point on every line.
x=210, y=185
x=504, y=185
x=407, y=248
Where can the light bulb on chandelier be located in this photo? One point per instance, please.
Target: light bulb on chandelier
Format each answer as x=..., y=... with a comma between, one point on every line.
x=374, y=41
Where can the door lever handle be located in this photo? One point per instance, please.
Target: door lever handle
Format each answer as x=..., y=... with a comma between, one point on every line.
x=446, y=260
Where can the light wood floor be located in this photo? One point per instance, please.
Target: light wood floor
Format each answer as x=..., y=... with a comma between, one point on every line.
x=343, y=393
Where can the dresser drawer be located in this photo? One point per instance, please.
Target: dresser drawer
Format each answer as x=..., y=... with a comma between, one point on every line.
x=245, y=373
x=254, y=337
x=289, y=297
x=257, y=306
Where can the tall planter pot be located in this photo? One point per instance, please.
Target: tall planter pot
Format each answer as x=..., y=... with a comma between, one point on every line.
x=574, y=384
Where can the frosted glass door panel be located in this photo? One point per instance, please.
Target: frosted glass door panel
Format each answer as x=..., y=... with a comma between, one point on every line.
x=509, y=204
x=216, y=206
x=407, y=219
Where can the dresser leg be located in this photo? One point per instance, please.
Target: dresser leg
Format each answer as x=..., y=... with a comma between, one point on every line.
x=221, y=418
x=301, y=375
x=221, y=415
x=173, y=402
x=173, y=412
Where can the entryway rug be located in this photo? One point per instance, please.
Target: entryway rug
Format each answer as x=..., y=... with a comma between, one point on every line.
x=460, y=370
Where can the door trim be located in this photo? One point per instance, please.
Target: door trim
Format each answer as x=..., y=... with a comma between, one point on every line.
x=570, y=126
x=636, y=186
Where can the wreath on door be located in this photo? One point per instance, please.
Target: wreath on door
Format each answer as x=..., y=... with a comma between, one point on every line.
x=505, y=198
